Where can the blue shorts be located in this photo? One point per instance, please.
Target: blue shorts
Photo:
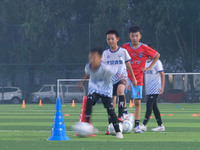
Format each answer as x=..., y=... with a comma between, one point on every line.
x=136, y=92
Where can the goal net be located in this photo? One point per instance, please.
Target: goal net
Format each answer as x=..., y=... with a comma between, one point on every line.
x=69, y=90
x=179, y=88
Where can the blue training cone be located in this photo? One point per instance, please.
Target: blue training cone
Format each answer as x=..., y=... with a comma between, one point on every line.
x=58, y=132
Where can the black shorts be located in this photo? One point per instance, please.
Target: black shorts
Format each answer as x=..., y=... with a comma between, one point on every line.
x=152, y=97
x=115, y=86
x=107, y=101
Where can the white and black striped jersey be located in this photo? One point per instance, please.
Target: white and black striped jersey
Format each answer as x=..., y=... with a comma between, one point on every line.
x=100, y=80
x=117, y=60
x=153, y=78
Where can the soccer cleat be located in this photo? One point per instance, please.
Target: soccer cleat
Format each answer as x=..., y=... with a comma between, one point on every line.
x=119, y=135
x=158, y=128
x=143, y=127
x=120, y=119
x=107, y=133
x=137, y=130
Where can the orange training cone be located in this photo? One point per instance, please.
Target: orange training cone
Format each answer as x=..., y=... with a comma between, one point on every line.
x=130, y=104
x=73, y=104
x=40, y=103
x=23, y=104
x=133, y=104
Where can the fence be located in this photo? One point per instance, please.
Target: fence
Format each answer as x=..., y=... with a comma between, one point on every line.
x=31, y=64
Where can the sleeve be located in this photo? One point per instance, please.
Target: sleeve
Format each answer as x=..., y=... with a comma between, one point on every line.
x=87, y=69
x=151, y=52
x=104, y=57
x=159, y=66
x=127, y=56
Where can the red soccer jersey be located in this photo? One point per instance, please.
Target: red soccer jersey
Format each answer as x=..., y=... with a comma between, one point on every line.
x=138, y=59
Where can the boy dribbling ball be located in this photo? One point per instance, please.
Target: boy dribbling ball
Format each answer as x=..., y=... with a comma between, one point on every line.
x=100, y=86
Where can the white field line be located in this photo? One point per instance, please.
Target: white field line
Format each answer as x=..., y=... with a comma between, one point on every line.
x=50, y=131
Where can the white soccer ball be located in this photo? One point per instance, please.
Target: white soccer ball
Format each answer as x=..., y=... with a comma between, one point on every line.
x=129, y=117
x=111, y=128
x=127, y=126
x=83, y=129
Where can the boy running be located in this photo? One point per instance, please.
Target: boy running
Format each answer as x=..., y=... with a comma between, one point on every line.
x=139, y=53
x=100, y=86
x=154, y=85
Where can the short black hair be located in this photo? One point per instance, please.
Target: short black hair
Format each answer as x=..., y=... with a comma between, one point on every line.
x=113, y=32
x=98, y=50
x=151, y=45
x=134, y=29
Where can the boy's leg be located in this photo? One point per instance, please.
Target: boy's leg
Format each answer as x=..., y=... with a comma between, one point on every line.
x=157, y=112
x=120, y=91
x=136, y=93
x=113, y=101
x=125, y=107
x=107, y=101
x=91, y=100
x=137, y=111
x=149, y=107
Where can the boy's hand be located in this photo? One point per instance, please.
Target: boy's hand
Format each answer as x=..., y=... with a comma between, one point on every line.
x=80, y=85
x=161, y=91
x=146, y=69
x=134, y=82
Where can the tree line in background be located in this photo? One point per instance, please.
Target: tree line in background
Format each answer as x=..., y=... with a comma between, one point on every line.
x=39, y=32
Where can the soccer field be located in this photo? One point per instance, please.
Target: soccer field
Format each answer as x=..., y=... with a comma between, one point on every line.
x=29, y=128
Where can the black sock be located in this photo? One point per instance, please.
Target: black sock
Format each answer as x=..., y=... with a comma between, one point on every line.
x=125, y=110
x=113, y=119
x=121, y=106
x=88, y=110
x=137, y=122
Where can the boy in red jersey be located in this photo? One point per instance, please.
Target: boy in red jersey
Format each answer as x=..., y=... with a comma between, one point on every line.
x=139, y=53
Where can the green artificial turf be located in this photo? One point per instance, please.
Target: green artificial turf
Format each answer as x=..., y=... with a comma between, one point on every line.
x=29, y=128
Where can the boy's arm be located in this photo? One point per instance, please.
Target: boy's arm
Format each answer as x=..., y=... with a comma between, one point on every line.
x=128, y=66
x=153, y=62
x=162, y=74
x=80, y=85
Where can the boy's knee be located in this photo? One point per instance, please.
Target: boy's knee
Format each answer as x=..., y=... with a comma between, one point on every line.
x=137, y=103
x=121, y=89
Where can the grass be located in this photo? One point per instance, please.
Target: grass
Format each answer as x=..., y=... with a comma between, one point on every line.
x=29, y=128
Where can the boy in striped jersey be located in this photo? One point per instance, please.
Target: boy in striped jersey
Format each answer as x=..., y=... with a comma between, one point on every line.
x=154, y=85
x=100, y=86
x=119, y=59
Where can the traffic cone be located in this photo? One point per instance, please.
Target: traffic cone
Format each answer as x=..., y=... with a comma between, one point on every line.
x=82, y=115
x=73, y=104
x=130, y=104
x=133, y=104
x=40, y=103
x=23, y=104
x=58, y=132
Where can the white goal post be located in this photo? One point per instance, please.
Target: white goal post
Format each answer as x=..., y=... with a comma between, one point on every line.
x=68, y=90
x=176, y=84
